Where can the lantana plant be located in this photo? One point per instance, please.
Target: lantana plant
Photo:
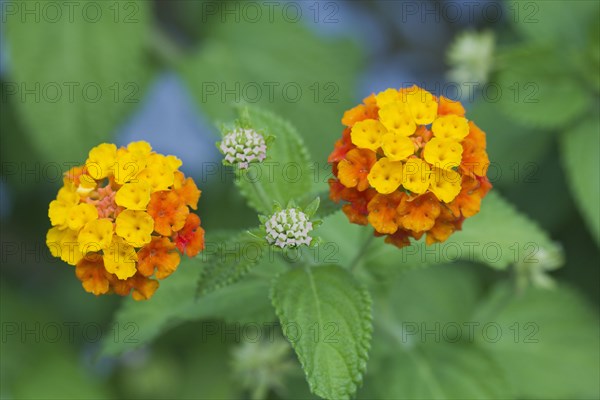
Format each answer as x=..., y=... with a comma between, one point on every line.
x=409, y=165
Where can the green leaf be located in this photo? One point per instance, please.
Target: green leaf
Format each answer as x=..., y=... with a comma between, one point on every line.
x=549, y=345
x=85, y=74
x=558, y=22
x=535, y=91
x=510, y=164
x=581, y=159
x=422, y=348
x=312, y=207
x=498, y=236
x=326, y=316
x=440, y=371
x=175, y=302
x=326, y=205
x=309, y=79
x=228, y=261
x=286, y=173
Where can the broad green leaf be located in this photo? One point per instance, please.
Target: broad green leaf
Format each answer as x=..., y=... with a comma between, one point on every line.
x=534, y=90
x=326, y=315
x=439, y=371
x=341, y=241
x=175, y=302
x=228, y=261
x=498, y=236
x=75, y=78
x=562, y=23
x=423, y=348
x=308, y=79
x=326, y=205
x=286, y=173
x=581, y=158
x=549, y=345
x=510, y=164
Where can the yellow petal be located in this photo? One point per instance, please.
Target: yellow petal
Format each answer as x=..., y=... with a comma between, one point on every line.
x=134, y=195
x=386, y=97
x=421, y=104
x=120, y=258
x=367, y=134
x=443, y=153
x=140, y=149
x=53, y=240
x=416, y=175
x=135, y=227
x=397, y=147
x=128, y=166
x=63, y=243
x=101, y=160
x=159, y=173
x=397, y=119
x=385, y=176
x=95, y=235
x=80, y=215
x=445, y=184
x=450, y=127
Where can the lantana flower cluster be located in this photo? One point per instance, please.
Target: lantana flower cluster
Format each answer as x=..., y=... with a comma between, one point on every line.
x=409, y=164
x=121, y=217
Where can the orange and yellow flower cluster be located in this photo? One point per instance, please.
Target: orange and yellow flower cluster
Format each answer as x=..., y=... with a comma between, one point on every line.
x=409, y=164
x=120, y=218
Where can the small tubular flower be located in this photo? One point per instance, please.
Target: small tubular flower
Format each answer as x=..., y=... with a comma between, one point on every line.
x=367, y=134
x=159, y=255
x=397, y=147
x=121, y=217
x=426, y=169
x=242, y=147
x=190, y=239
x=354, y=168
x=445, y=154
x=386, y=175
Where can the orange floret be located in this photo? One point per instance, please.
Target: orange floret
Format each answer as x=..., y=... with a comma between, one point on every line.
x=401, y=238
x=359, y=113
x=94, y=278
x=475, y=160
x=354, y=169
x=468, y=201
x=187, y=190
x=159, y=255
x=444, y=226
x=447, y=106
x=341, y=147
x=169, y=212
x=382, y=212
x=143, y=287
x=190, y=240
x=418, y=214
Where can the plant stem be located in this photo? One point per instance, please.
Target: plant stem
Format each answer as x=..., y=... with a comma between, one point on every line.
x=361, y=252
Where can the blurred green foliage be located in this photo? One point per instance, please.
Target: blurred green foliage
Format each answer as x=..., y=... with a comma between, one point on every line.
x=547, y=152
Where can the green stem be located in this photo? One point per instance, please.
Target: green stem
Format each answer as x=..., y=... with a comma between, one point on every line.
x=361, y=252
x=262, y=195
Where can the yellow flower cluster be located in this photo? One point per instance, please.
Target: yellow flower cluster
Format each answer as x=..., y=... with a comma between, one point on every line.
x=398, y=134
x=114, y=205
x=409, y=164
